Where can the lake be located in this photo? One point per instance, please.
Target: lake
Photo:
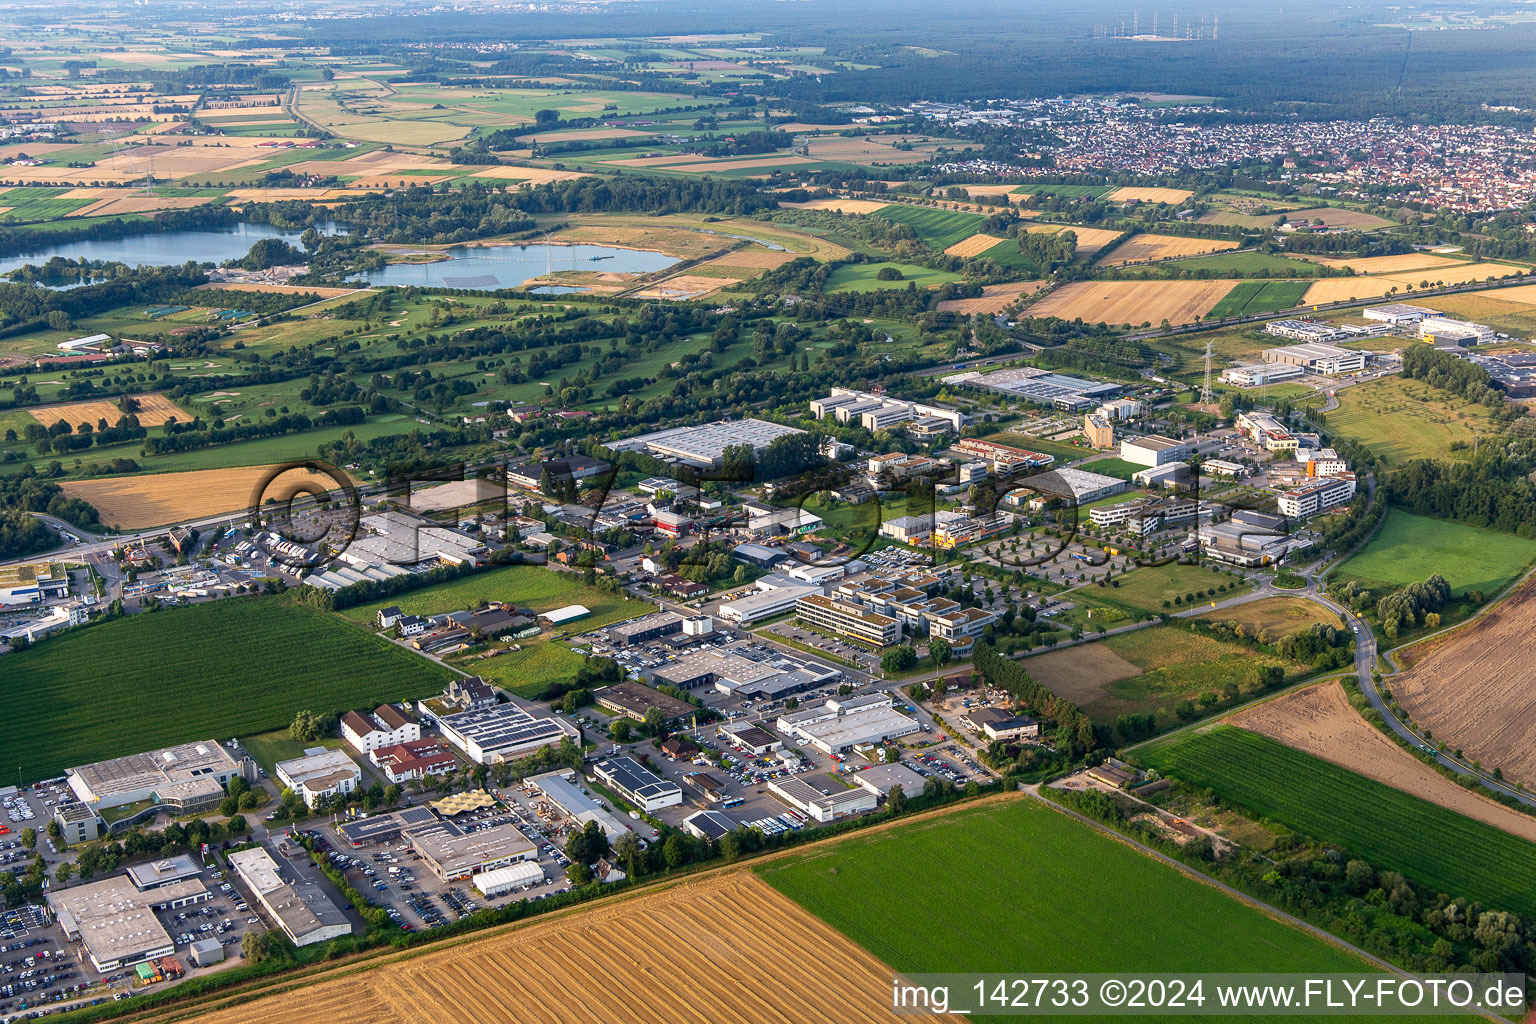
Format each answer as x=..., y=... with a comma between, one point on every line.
x=480, y=268
x=164, y=248
x=488, y=267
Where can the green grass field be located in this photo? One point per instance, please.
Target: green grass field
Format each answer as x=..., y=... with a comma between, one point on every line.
x=1391, y=829
x=1176, y=665
x=1148, y=587
x=1006, y=254
x=530, y=671
x=862, y=277
x=268, y=748
x=1401, y=420
x=1223, y=263
x=208, y=671
x=527, y=586
x=1114, y=467
x=1024, y=884
x=1410, y=549
x=937, y=228
x=1259, y=297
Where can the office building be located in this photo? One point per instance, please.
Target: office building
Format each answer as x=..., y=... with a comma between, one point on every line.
x=1099, y=431
x=1256, y=375
x=502, y=732
x=187, y=777
x=848, y=619
x=1318, y=496
x=823, y=807
x=115, y=922
x=883, y=409
x=1003, y=459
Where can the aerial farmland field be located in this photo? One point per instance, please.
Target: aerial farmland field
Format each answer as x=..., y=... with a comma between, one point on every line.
x=938, y=228
x=1161, y=919
x=216, y=670
x=1409, y=549
x=1386, y=826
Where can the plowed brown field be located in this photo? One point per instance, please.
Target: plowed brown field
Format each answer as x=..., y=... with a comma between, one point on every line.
x=1081, y=674
x=690, y=953
x=1320, y=722
x=1474, y=691
x=138, y=502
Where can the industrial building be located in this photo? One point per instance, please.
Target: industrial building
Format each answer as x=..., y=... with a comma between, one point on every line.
x=561, y=789
x=711, y=825
x=1079, y=485
x=704, y=446
x=1247, y=539
x=500, y=881
x=115, y=922
x=880, y=779
x=1442, y=330
x=186, y=777
x=1256, y=375
x=1121, y=409
x=637, y=783
x=1304, y=330
x=559, y=470
x=319, y=773
x=384, y=828
x=877, y=411
x=163, y=872
x=841, y=724
x=1328, y=360
x=758, y=555
x=502, y=732
x=823, y=807
x=1042, y=387
x=1003, y=459
x=1153, y=450
x=33, y=583
x=297, y=904
x=767, y=602
x=454, y=855
x=964, y=530
x=633, y=700
x=398, y=538
x=1398, y=313
x=645, y=629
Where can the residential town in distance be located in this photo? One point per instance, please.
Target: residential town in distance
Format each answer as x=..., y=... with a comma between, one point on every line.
x=565, y=514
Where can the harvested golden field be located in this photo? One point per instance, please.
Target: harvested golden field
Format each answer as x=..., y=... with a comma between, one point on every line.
x=1149, y=195
x=840, y=205
x=1142, y=248
x=1458, y=272
x=532, y=175
x=269, y=195
x=707, y=166
x=687, y=286
x=1281, y=616
x=1385, y=264
x=1081, y=674
x=1336, y=218
x=1319, y=721
x=1474, y=689
x=1089, y=240
x=132, y=164
x=140, y=502
x=140, y=204
x=653, y=161
x=154, y=409
x=973, y=246
x=994, y=298
x=757, y=259
x=1132, y=302
x=1524, y=294
x=1342, y=289
x=687, y=954
x=868, y=150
